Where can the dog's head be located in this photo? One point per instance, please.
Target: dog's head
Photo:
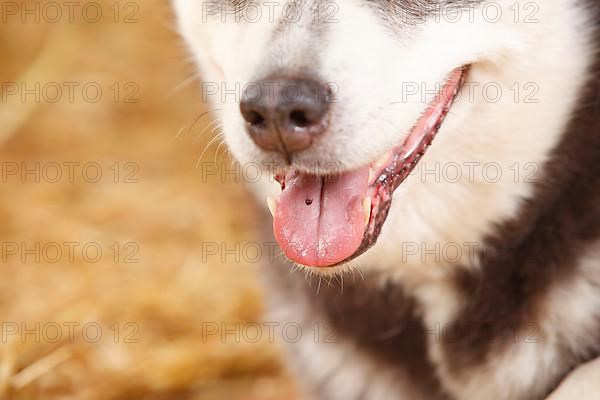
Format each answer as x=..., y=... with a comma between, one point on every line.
x=341, y=101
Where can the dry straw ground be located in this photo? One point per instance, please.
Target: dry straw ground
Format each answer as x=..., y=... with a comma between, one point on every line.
x=157, y=305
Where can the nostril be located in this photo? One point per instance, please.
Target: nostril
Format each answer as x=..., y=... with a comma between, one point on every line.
x=299, y=118
x=252, y=115
x=254, y=118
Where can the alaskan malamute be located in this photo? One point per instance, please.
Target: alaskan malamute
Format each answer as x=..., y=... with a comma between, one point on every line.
x=437, y=164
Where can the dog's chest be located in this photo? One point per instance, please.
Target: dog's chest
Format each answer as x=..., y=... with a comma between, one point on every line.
x=386, y=342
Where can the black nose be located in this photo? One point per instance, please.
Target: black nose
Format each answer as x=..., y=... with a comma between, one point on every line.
x=285, y=115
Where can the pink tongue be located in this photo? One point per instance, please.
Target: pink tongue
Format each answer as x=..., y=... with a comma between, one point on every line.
x=320, y=221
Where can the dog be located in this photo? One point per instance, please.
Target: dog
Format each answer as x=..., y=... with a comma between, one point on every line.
x=436, y=163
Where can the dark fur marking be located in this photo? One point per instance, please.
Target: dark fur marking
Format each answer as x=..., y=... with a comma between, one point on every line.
x=538, y=247
x=402, y=12
x=396, y=336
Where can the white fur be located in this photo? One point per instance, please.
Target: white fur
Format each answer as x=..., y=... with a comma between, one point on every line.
x=342, y=371
x=582, y=384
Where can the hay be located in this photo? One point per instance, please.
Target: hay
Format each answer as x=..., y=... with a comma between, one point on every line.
x=151, y=312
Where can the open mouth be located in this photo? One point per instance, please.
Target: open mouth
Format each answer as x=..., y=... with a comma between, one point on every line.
x=324, y=221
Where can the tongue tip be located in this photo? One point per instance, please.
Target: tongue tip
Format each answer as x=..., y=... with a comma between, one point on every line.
x=316, y=264
x=319, y=253
x=320, y=258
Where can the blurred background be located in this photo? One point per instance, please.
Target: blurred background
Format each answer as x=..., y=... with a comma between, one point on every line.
x=106, y=292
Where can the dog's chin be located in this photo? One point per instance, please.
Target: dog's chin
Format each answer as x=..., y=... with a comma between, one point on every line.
x=323, y=221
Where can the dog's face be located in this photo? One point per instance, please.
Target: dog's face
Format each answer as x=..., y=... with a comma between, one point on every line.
x=356, y=90
x=374, y=56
